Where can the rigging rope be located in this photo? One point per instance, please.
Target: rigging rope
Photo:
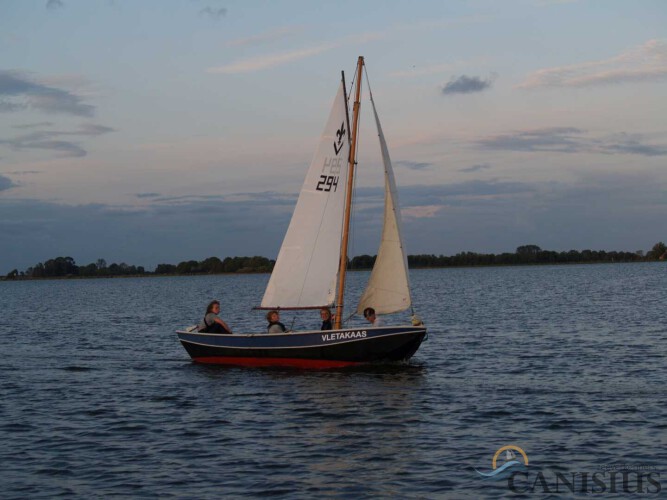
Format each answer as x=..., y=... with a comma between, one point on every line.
x=368, y=83
x=349, y=93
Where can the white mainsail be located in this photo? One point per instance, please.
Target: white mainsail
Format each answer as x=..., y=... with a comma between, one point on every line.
x=388, y=289
x=306, y=270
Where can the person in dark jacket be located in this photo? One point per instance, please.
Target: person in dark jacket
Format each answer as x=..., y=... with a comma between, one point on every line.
x=325, y=314
x=275, y=326
x=212, y=322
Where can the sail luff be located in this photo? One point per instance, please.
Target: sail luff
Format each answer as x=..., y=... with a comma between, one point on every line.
x=388, y=289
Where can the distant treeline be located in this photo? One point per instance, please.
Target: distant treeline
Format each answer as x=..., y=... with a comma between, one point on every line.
x=66, y=267
x=526, y=254
x=213, y=265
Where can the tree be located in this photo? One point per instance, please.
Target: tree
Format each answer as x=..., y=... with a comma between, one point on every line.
x=60, y=266
x=528, y=250
x=212, y=265
x=89, y=270
x=362, y=262
x=657, y=251
x=187, y=267
x=231, y=264
x=165, y=269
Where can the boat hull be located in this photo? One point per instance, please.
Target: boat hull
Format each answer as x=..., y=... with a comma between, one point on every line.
x=317, y=349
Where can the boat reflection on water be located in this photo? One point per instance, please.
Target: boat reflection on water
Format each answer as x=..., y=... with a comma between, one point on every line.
x=372, y=427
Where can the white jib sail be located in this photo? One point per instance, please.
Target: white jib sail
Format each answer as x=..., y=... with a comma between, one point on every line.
x=388, y=289
x=306, y=270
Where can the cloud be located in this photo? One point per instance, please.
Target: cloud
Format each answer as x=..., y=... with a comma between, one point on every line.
x=67, y=148
x=213, y=12
x=262, y=62
x=54, y=4
x=424, y=195
x=644, y=63
x=570, y=140
x=475, y=168
x=445, y=194
x=278, y=59
x=632, y=144
x=34, y=125
x=560, y=139
x=271, y=60
x=89, y=129
x=6, y=183
x=426, y=211
x=414, y=165
x=264, y=198
x=620, y=212
x=467, y=85
x=158, y=232
x=269, y=36
x=7, y=106
x=52, y=140
x=147, y=195
x=18, y=91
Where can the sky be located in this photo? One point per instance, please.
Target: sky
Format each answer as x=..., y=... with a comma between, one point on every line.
x=161, y=131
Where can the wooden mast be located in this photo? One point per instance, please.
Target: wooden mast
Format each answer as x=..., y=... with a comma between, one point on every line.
x=348, y=203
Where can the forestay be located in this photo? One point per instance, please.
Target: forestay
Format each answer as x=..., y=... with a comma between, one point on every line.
x=388, y=289
x=305, y=274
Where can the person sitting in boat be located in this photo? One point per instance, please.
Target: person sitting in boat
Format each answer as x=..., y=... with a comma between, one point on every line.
x=369, y=314
x=275, y=326
x=212, y=322
x=325, y=314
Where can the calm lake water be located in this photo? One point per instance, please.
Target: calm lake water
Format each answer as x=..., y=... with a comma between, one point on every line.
x=97, y=396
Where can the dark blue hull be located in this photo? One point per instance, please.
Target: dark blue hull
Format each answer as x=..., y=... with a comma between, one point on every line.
x=318, y=349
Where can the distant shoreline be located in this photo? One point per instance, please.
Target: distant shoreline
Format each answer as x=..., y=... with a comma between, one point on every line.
x=525, y=255
x=416, y=268
x=145, y=275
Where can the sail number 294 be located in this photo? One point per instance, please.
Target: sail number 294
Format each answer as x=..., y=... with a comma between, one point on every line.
x=327, y=183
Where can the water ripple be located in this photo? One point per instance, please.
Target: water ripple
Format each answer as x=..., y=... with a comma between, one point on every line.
x=99, y=399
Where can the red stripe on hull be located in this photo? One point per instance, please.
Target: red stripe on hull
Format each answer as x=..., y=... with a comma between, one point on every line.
x=291, y=362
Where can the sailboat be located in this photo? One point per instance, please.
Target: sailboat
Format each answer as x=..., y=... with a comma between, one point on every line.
x=311, y=266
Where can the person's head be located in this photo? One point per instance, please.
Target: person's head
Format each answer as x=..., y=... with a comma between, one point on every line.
x=369, y=314
x=325, y=314
x=273, y=316
x=213, y=307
